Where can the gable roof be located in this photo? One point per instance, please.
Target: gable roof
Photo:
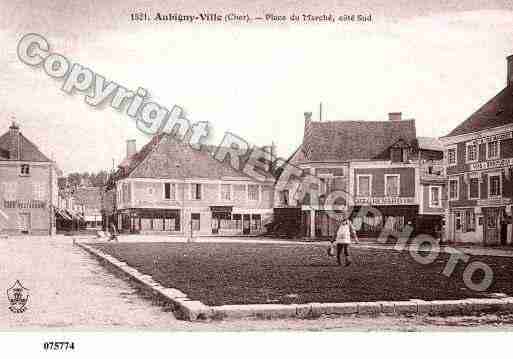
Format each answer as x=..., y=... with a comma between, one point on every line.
x=29, y=151
x=496, y=112
x=354, y=140
x=166, y=157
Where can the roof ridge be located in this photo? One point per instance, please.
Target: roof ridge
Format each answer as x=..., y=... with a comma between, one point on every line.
x=365, y=121
x=158, y=137
x=24, y=149
x=488, y=113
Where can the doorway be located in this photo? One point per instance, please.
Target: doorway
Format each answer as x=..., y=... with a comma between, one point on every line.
x=504, y=231
x=246, y=224
x=25, y=223
x=491, y=225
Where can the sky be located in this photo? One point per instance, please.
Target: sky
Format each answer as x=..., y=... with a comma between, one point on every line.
x=436, y=62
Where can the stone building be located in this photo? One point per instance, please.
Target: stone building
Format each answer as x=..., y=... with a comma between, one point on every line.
x=28, y=186
x=170, y=188
x=479, y=155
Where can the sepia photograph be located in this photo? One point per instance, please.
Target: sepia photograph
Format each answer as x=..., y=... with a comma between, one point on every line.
x=299, y=178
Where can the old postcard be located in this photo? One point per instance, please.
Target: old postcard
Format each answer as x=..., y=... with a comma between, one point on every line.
x=171, y=166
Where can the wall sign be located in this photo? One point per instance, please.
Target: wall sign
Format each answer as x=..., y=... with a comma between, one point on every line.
x=491, y=164
x=498, y=137
x=24, y=204
x=384, y=201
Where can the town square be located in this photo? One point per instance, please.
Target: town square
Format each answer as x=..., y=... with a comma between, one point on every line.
x=196, y=175
x=226, y=242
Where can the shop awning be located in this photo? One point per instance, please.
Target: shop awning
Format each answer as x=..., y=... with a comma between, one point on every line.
x=62, y=213
x=74, y=215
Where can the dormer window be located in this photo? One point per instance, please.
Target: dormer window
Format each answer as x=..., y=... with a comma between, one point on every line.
x=399, y=151
x=399, y=154
x=24, y=170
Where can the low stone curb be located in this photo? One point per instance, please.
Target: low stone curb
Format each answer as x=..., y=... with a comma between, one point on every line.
x=184, y=307
x=192, y=310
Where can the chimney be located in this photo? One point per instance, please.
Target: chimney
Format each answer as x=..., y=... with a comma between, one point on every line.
x=394, y=116
x=509, y=69
x=131, y=148
x=14, y=142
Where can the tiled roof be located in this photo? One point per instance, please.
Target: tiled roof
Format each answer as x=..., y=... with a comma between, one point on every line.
x=496, y=112
x=354, y=140
x=159, y=159
x=29, y=151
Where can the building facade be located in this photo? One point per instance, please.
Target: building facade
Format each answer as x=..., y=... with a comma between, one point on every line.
x=378, y=164
x=28, y=187
x=170, y=188
x=480, y=167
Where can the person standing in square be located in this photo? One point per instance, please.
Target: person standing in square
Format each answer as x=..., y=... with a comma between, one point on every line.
x=342, y=239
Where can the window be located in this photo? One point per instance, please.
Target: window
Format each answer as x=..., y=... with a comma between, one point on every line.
x=363, y=185
x=170, y=224
x=238, y=221
x=494, y=185
x=10, y=189
x=25, y=170
x=256, y=222
x=457, y=220
x=196, y=191
x=169, y=191
x=492, y=150
x=253, y=193
x=226, y=194
x=392, y=185
x=195, y=220
x=473, y=185
x=39, y=191
x=491, y=222
x=453, y=189
x=451, y=156
x=472, y=153
x=324, y=185
x=465, y=220
x=434, y=196
x=470, y=221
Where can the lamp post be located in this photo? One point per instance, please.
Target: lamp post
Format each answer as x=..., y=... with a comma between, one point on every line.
x=183, y=221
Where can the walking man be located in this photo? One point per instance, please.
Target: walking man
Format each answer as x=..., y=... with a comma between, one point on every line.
x=342, y=239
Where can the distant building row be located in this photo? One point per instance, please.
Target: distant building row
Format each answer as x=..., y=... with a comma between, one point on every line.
x=459, y=185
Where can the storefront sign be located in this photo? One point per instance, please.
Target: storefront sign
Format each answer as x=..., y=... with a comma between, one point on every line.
x=498, y=137
x=28, y=204
x=385, y=201
x=493, y=202
x=491, y=164
x=222, y=209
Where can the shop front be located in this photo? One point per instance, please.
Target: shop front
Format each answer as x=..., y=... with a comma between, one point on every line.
x=497, y=225
x=394, y=218
x=226, y=221
x=222, y=219
x=149, y=220
x=489, y=223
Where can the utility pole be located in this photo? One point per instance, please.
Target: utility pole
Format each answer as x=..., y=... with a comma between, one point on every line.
x=320, y=111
